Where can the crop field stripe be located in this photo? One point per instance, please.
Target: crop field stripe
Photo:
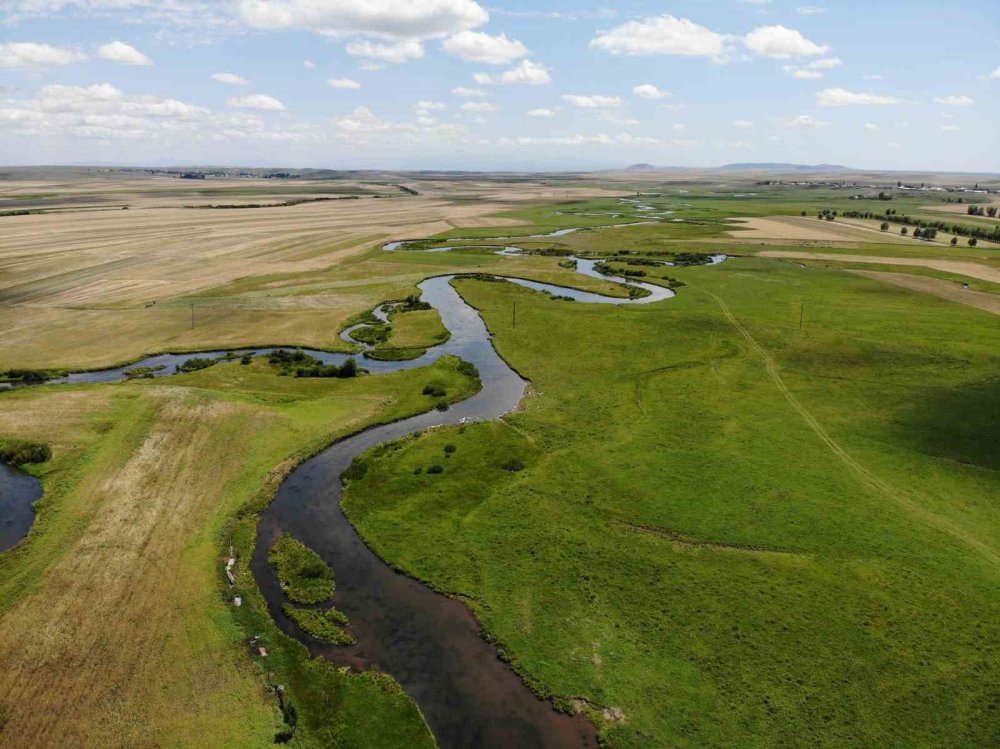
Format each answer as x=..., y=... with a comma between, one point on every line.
x=869, y=478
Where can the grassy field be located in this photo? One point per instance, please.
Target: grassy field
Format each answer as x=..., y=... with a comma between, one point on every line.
x=738, y=533
x=113, y=626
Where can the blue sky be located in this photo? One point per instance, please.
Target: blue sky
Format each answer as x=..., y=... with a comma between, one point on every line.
x=460, y=84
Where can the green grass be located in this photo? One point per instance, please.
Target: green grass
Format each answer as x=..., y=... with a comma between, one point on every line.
x=323, y=625
x=682, y=544
x=304, y=577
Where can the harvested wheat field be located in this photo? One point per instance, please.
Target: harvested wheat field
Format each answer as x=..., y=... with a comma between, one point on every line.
x=799, y=228
x=972, y=270
x=937, y=287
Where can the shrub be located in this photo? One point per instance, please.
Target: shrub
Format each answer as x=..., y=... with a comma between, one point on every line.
x=22, y=452
x=885, y=226
x=356, y=470
x=468, y=369
x=246, y=359
x=436, y=468
x=954, y=241
x=973, y=242
x=449, y=448
x=304, y=576
x=193, y=365
x=435, y=391
x=513, y=465
x=348, y=369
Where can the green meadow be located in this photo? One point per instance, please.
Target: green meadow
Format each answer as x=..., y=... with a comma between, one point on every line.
x=738, y=531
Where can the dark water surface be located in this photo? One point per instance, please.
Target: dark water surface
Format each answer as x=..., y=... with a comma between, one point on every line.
x=18, y=492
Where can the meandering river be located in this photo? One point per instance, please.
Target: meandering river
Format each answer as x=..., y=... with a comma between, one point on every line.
x=430, y=643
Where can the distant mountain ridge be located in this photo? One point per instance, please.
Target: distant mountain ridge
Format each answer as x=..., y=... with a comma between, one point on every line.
x=749, y=167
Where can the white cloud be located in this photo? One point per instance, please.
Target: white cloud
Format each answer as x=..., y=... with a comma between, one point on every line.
x=662, y=35
x=595, y=101
x=98, y=111
x=797, y=72
x=308, y=64
x=781, y=43
x=839, y=97
x=806, y=120
x=871, y=77
x=123, y=54
x=624, y=139
x=468, y=93
x=949, y=128
x=649, y=91
x=395, y=53
x=36, y=55
x=810, y=10
x=475, y=46
x=825, y=63
x=995, y=74
x=425, y=106
x=230, y=78
x=528, y=73
x=541, y=112
x=871, y=126
x=893, y=144
x=392, y=19
x=342, y=83
x=901, y=124
x=954, y=101
x=257, y=101
x=742, y=124
x=479, y=107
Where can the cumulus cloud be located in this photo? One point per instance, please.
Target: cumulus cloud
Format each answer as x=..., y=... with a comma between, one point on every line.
x=468, y=93
x=995, y=74
x=949, y=128
x=781, y=43
x=541, y=112
x=742, y=124
x=527, y=73
x=393, y=19
x=396, y=52
x=871, y=77
x=342, y=83
x=230, y=78
x=479, y=107
x=475, y=46
x=649, y=91
x=839, y=97
x=954, y=101
x=308, y=64
x=36, y=55
x=426, y=106
x=803, y=73
x=595, y=101
x=806, y=120
x=123, y=54
x=97, y=111
x=871, y=126
x=810, y=10
x=624, y=139
x=257, y=101
x=661, y=35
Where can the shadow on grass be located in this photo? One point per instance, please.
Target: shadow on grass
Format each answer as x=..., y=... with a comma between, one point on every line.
x=960, y=424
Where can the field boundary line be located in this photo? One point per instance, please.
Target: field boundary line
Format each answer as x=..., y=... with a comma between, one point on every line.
x=866, y=476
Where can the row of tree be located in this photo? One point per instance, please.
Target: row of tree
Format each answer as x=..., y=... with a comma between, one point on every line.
x=974, y=232
x=978, y=210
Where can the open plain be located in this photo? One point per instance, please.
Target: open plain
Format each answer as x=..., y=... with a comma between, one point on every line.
x=758, y=513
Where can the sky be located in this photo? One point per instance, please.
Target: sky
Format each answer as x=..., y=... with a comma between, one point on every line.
x=519, y=85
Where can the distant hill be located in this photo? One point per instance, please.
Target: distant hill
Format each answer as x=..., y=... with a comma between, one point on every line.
x=641, y=168
x=769, y=167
